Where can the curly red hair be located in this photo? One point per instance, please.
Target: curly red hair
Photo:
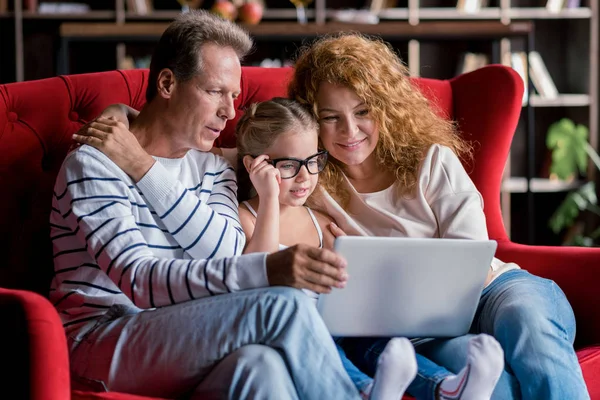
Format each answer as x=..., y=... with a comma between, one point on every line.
x=408, y=125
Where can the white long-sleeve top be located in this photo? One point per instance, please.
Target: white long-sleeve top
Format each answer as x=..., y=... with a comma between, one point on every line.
x=446, y=204
x=172, y=237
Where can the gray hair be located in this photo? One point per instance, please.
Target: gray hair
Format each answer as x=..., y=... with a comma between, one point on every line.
x=179, y=46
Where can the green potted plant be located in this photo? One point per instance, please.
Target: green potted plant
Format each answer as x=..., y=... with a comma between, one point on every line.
x=571, y=151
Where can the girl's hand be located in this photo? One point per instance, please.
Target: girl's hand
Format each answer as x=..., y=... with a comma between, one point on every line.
x=264, y=176
x=113, y=139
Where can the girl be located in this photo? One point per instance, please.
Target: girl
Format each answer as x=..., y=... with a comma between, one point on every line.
x=278, y=158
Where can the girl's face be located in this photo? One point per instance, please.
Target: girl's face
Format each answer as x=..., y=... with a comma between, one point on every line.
x=299, y=145
x=347, y=131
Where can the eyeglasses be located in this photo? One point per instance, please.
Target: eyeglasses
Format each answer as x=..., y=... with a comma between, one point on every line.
x=290, y=167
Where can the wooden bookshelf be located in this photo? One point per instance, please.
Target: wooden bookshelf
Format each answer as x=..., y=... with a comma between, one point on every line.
x=90, y=15
x=538, y=185
x=542, y=13
x=425, y=30
x=563, y=100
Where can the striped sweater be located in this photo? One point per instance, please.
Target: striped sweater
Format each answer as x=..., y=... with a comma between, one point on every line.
x=172, y=237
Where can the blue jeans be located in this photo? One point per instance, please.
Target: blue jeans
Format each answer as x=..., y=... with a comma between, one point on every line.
x=360, y=379
x=533, y=322
x=256, y=344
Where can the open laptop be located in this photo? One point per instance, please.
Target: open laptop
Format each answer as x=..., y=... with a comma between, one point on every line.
x=407, y=287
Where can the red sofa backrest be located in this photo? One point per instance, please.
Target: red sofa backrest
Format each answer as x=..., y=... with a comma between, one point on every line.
x=37, y=119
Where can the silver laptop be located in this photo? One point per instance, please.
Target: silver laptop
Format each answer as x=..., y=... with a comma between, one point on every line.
x=407, y=287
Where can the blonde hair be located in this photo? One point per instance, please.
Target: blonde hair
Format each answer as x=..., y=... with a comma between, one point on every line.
x=261, y=125
x=407, y=124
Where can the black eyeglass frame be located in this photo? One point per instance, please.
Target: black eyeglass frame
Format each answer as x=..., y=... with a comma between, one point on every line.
x=301, y=163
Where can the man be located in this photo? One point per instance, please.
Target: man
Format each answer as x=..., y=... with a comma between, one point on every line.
x=144, y=232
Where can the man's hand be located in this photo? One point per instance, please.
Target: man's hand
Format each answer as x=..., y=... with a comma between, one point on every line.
x=307, y=267
x=264, y=177
x=120, y=145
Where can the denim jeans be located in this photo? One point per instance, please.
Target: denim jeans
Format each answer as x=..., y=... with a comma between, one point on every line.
x=360, y=379
x=257, y=344
x=533, y=322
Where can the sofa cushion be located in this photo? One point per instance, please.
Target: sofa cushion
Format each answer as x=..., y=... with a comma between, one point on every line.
x=80, y=395
x=589, y=359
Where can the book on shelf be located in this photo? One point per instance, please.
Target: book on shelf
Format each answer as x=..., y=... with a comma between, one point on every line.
x=471, y=6
x=542, y=81
x=30, y=5
x=533, y=67
x=141, y=7
x=518, y=62
x=471, y=61
x=63, y=8
x=3, y=6
x=555, y=6
x=129, y=62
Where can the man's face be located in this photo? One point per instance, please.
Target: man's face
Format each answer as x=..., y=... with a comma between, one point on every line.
x=202, y=105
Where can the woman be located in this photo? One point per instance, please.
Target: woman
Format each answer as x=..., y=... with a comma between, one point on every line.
x=394, y=170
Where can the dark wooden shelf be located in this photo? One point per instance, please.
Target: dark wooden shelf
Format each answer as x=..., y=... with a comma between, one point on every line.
x=90, y=15
x=285, y=30
x=109, y=30
x=167, y=15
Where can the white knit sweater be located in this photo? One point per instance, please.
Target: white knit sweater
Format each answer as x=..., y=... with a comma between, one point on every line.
x=172, y=237
x=446, y=204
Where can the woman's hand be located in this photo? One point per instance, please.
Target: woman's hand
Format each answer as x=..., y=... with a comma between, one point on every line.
x=336, y=230
x=118, y=112
x=113, y=139
x=264, y=177
x=306, y=267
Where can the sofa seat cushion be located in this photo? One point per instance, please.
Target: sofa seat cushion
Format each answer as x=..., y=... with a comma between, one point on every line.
x=81, y=395
x=589, y=359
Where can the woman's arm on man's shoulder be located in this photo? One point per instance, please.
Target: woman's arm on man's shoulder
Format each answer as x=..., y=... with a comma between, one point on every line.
x=121, y=112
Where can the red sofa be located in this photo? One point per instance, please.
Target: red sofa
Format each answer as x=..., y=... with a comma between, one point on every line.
x=36, y=122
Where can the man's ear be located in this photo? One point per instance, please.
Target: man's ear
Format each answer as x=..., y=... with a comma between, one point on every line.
x=247, y=160
x=165, y=83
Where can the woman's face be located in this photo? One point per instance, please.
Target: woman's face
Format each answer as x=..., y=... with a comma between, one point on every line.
x=348, y=131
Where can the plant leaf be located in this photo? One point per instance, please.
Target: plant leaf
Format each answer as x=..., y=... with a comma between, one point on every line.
x=582, y=241
x=575, y=202
x=568, y=144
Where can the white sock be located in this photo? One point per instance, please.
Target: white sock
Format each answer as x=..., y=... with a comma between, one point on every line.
x=477, y=380
x=396, y=369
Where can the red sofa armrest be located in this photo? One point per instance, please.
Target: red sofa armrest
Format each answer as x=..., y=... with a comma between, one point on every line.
x=575, y=269
x=32, y=330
